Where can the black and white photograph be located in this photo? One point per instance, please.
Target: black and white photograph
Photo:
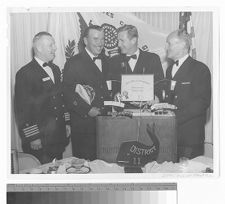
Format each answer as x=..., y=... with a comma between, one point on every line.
x=112, y=92
x=112, y=102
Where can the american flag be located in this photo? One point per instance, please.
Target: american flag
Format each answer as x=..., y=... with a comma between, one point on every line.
x=185, y=23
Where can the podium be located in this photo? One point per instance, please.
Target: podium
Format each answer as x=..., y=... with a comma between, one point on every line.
x=111, y=132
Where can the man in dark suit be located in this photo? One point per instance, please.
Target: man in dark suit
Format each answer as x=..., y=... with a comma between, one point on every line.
x=189, y=89
x=133, y=60
x=87, y=69
x=40, y=111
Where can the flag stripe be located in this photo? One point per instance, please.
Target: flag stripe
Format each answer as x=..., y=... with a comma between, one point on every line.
x=185, y=23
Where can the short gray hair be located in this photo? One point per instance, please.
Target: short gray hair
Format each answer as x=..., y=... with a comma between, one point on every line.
x=39, y=35
x=36, y=38
x=182, y=35
x=131, y=30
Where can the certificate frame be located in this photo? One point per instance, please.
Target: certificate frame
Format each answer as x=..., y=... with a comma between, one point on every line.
x=137, y=87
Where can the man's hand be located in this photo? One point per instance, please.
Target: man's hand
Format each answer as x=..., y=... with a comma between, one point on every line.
x=68, y=130
x=118, y=97
x=36, y=144
x=94, y=112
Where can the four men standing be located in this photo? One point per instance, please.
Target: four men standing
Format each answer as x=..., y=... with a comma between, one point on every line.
x=41, y=113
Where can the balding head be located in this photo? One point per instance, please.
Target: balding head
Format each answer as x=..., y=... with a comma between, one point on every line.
x=44, y=46
x=178, y=44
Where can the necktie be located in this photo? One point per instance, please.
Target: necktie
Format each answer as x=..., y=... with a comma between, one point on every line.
x=131, y=56
x=176, y=62
x=47, y=64
x=95, y=58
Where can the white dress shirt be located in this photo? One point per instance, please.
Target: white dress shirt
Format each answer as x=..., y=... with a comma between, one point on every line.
x=132, y=62
x=47, y=69
x=180, y=62
x=98, y=62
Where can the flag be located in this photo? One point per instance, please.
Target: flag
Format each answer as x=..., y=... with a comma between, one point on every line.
x=67, y=29
x=185, y=23
x=150, y=38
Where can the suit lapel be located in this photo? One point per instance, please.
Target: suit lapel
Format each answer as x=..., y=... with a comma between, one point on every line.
x=124, y=65
x=91, y=66
x=56, y=74
x=169, y=72
x=139, y=66
x=41, y=72
x=105, y=66
x=183, y=70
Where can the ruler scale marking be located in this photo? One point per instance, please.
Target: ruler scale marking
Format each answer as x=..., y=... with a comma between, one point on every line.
x=90, y=187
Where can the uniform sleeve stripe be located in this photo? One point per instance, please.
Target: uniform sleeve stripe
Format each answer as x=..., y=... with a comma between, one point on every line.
x=27, y=133
x=67, y=116
x=32, y=134
x=31, y=127
x=31, y=130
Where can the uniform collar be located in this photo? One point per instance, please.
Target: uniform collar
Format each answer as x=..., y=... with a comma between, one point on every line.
x=89, y=53
x=39, y=61
x=181, y=60
x=137, y=53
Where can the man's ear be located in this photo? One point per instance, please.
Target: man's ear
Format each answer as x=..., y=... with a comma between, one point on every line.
x=134, y=40
x=85, y=41
x=38, y=47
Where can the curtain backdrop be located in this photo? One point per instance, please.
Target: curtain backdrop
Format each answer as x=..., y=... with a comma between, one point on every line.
x=66, y=28
x=167, y=21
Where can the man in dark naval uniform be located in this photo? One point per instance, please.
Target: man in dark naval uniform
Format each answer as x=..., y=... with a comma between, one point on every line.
x=189, y=89
x=88, y=70
x=133, y=60
x=40, y=111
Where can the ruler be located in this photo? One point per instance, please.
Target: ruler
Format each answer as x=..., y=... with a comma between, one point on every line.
x=91, y=187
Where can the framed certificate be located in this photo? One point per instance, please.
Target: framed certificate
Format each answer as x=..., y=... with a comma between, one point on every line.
x=138, y=87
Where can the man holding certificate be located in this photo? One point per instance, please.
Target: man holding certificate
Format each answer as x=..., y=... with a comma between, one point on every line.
x=132, y=60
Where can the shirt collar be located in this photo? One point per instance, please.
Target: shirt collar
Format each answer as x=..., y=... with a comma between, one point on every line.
x=137, y=53
x=39, y=61
x=181, y=60
x=89, y=53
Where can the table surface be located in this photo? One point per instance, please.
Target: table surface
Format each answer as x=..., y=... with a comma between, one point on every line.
x=196, y=165
x=113, y=131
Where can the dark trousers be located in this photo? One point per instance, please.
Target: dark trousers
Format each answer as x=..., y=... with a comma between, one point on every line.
x=190, y=151
x=44, y=155
x=84, y=145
